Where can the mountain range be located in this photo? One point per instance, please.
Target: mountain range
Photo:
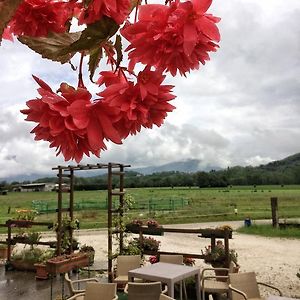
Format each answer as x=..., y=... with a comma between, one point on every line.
x=186, y=166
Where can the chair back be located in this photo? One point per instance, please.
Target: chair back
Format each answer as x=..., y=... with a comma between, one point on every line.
x=245, y=282
x=171, y=259
x=126, y=263
x=103, y=291
x=144, y=291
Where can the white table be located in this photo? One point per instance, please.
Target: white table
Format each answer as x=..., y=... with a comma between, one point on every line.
x=168, y=274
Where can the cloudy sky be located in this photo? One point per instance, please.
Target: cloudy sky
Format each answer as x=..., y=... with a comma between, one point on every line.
x=241, y=108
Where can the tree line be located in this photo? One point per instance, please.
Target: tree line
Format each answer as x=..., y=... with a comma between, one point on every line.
x=282, y=172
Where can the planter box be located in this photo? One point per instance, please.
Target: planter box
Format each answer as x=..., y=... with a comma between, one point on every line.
x=22, y=265
x=66, y=263
x=151, y=230
x=21, y=223
x=3, y=253
x=133, y=228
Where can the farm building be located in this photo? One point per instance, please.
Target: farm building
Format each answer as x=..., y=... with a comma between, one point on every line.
x=37, y=187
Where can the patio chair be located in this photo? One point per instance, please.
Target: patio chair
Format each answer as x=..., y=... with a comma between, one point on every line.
x=99, y=290
x=243, y=286
x=126, y=263
x=174, y=259
x=215, y=284
x=144, y=291
x=72, y=284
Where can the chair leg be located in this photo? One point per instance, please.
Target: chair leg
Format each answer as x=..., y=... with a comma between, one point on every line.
x=184, y=291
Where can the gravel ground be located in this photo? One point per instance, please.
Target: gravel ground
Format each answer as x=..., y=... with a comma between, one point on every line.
x=275, y=260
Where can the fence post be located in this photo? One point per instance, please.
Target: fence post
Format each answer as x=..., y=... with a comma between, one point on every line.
x=274, y=207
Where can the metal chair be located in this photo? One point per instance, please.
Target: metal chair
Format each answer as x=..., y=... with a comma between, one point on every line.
x=125, y=263
x=243, y=286
x=144, y=291
x=175, y=259
x=99, y=290
x=215, y=284
x=71, y=284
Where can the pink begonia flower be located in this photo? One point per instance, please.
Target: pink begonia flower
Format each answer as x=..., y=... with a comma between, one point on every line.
x=71, y=122
x=173, y=38
x=143, y=104
x=115, y=9
x=39, y=17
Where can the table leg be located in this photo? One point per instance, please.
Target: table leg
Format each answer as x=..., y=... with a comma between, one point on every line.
x=171, y=289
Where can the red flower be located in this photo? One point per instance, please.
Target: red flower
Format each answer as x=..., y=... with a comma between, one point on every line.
x=142, y=104
x=173, y=38
x=39, y=17
x=71, y=122
x=115, y=9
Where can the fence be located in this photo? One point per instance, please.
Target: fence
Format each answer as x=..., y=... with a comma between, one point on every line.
x=166, y=204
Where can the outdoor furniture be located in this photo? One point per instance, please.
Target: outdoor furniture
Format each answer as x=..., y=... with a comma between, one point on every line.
x=168, y=274
x=144, y=291
x=215, y=284
x=174, y=259
x=71, y=284
x=243, y=286
x=95, y=291
x=124, y=264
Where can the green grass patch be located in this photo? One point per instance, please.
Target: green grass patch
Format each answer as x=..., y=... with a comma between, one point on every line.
x=167, y=205
x=270, y=231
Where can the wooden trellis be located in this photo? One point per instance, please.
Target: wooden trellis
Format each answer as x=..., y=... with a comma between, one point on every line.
x=114, y=169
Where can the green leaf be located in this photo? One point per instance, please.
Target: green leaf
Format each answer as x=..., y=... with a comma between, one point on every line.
x=7, y=11
x=95, y=57
x=118, y=47
x=51, y=46
x=93, y=35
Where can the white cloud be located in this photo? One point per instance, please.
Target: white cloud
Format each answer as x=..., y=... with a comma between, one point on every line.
x=242, y=107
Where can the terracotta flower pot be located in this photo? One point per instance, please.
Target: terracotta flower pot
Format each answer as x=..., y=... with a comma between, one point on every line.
x=66, y=263
x=41, y=271
x=3, y=253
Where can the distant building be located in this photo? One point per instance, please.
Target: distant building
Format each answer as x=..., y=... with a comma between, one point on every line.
x=36, y=187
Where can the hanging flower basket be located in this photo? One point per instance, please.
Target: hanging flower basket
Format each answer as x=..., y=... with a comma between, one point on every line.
x=66, y=263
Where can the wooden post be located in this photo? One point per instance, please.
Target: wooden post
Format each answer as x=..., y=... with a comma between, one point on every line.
x=71, y=207
x=109, y=222
x=274, y=207
x=59, y=211
x=226, y=242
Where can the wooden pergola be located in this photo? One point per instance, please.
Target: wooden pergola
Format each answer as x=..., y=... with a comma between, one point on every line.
x=113, y=169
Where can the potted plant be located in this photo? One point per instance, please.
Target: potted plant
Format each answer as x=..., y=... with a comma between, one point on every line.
x=153, y=228
x=152, y=223
x=217, y=257
x=3, y=251
x=90, y=251
x=226, y=228
x=149, y=245
x=66, y=262
x=25, y=259
x=24, y=218
x=40, y=266
x=67, y=225
x=134, y=225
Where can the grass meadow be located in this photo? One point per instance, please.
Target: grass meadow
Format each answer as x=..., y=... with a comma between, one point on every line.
x=167, y=205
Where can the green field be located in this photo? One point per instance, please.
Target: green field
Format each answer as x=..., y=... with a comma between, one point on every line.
x=167, y=205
